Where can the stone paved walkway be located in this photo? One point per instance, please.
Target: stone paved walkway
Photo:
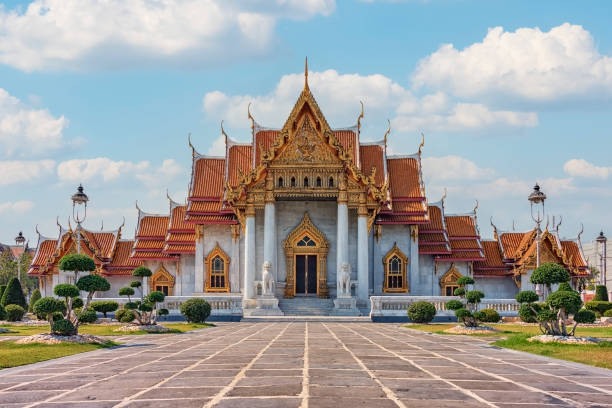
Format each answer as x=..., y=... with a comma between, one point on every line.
x=304, y=365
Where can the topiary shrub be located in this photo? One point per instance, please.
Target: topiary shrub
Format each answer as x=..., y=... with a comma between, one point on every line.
x=49, y=308
x=125, y=315
x=553, y=316
x=564, y=286
x=63, y=327
x=421, y=312
x=77, y=263
x=584, y=316
x=195, y=310
x=142, y=271
x=465, y=280
x=548, y=274
x=144, y=310
x=459, y=292
x=599, y=306
x=490, y=316
x=105, y=306
x=601, y=293
x=14, y=313
x=608, y=313
x=77, y=303
x=454, y=304
x=87, y=316
x=33, y=299
x=2, y=313
x=2, y=289
x=528, y=313
x=13, y=295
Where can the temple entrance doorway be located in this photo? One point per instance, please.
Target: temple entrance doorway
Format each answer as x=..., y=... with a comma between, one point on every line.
x=306, y=274
x=306, y=258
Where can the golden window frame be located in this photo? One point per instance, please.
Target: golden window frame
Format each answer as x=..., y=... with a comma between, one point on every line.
x=217, y=252
x=449, y=279
x=395, y=252
x=162, y=278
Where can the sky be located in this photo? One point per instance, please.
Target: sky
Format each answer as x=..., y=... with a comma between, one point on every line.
x=105, y=92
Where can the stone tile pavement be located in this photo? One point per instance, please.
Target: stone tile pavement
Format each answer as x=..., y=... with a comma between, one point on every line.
x=313, y=364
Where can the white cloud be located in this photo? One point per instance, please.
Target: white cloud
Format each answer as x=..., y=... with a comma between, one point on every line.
x=16, y=172
x=339, y=94
x=527, y=63
x=28, y=131
x=453, y=168
x=105, y=169
x=582, y=168
x=17, y=207
x=90, y=33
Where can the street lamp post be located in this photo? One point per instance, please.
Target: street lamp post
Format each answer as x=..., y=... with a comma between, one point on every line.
x=20, y=241
x=79, y=198
x=537, y=198
x=602, y=243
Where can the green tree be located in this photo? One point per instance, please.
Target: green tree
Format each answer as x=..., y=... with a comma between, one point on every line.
x=33, y=299
x=548, y=274
x=13, y=295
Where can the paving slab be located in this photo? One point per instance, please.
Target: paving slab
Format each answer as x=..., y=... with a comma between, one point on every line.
x=330, y=363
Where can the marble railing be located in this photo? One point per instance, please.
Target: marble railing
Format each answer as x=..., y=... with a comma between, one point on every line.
x=397, y=305
x=220, y=305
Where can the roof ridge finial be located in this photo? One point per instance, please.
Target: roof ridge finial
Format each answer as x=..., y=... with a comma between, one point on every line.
x=422, y=143
x=360, y=117
x=387, y=132
x=475, y=207
x=193, y=150
x=251, y=117
x=581, y=231
x=102, y=225
x=443, y=197
x=306, y=74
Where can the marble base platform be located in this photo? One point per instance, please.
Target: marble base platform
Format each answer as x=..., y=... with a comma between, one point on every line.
x=264, y=306
x=345, y=306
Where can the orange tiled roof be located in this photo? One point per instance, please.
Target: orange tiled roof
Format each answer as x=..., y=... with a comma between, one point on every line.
x=103, y=242
x=153, y=226
x=212, y=219
x=121, y=258
x=408, y=207
x=435, y=220
x=401, y=219
x=372, y=156
x=152, y=256
x=205, y=207
x=348, y=140
x=266, y=139
x=177, y=219
x=437, y=249
x=179, y=249
x=461, y=226
x=148, y=244
x=432, y=237
x=462, y=256
x=493, y=257
x=573, y=254
x=510, y=242
x=462, y=244
x=208, y=178
x=46, y=249
x=404, y=177
x=240, y=159
x=180, y=237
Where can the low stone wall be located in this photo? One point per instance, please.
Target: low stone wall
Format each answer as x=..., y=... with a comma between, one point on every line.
x=393, y=307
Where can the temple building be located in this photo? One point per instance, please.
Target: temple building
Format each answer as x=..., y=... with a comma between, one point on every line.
x=309, y=210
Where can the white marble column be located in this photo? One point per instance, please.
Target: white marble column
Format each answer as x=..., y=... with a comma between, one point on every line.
x=414, y=260
x=249, y=253
x=270, y=236
x=342, y=235
x=234, y=278
x=363, y=290
x=198, y=286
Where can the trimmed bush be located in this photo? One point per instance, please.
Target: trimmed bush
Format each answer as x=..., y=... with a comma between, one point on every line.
x=599, y=306
x=126, y=291
x=77, y=263
x=459, y=292
x=46, y=308
x=526, y=313
x=125, y=315
x=77, y=302
x=142, y=271
x=93, y=283
x=549, y=273
x=584, y=316
x=2, y=313
x=454, y=304
x=13, y=295
x=564, y=286
x=2, y=289
x=195, y=310
x=490, y=316
x=105, y=306
x=63, y=327
x=608, y=313
x=57, y=316
x=527, y=296
x=462, y=313
x=66, y=290
x=479, y=315
x=601, y=293
x=156, y=297
x=14, y=313
x=87, y=316
x=135, y=284
x=33, y=299
x=569, y=301
x=474, y=296
x=465, y=280
x=421, y=312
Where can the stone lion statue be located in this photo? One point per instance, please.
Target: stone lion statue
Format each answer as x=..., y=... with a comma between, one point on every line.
x=344, y=280
x=268, y=279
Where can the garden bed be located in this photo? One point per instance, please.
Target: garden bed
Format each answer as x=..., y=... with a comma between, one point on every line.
x=545, y=338
x=149, y=328
x=50, y=338
x=471, y=330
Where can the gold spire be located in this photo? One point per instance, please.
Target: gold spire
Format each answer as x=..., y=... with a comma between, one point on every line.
x=306, y=74
x=422, y=142
x=387, y=132
x=360, y=117
x=251, y=117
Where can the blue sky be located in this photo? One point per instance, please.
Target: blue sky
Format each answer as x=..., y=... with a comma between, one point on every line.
x=104, y=93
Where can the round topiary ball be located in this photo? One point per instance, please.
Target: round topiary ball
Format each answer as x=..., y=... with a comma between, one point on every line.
x=549, y=273
x=490, y=316
x=570, y=301
x=88, y=316
x=421, y=312
x=156, y=297
x=93, y=283
x=474, y=296
x=63, y=327
x=527, y=296
x=465, y=280
x=459, y=292
x=77, y=302
x=584, y=316
x=142, y=271
x=124, y=315
x=454, y=304
x=462, y=313
x=77, y=262
x=66, y=290
x=126, y=291
x=195, y=310
x=47, y=306
x=14, y=313
x=564, y=286
x=527, y=314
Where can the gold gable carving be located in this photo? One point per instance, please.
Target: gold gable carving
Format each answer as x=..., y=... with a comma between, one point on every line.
x=163, y=278
x=450, y=277
x=306, y=148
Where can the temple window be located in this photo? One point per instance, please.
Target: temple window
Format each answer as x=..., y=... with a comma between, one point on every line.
x=395, y=265
x=306, y=241
x=448, y=281
x=331, y=181
x=449, y=290
x=305, y=181
x=318, y=181
x=217, y=266
x=292, y=181
x=162, y=281
x=280, y=181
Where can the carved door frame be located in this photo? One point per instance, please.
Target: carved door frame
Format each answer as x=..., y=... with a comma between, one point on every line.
x=320, y=249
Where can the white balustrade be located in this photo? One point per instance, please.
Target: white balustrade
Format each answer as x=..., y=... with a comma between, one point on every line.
x=396, y=306
x=220, y=305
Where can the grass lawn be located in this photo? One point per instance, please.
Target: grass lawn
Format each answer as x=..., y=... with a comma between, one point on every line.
x=100, y=329
x=12, y=355
x=515, y=337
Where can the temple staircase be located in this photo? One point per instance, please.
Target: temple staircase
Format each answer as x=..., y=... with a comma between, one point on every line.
x=306, y=306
